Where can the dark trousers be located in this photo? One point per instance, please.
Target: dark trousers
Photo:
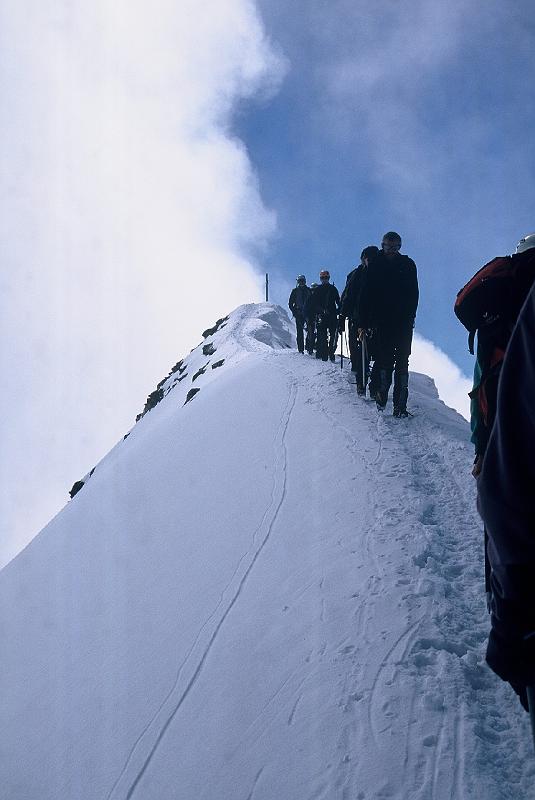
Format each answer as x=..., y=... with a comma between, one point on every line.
x=326, y=336
x=392, y=349
x=363, y=365
x=355, y=354
x=299, y=324
x=353, y=341
x=310, y=342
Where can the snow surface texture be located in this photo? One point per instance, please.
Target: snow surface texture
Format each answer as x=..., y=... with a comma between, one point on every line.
x=269, y=591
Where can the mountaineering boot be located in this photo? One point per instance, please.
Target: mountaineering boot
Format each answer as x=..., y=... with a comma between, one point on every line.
x=361, y=390
x=381, y=391
x=400, y=394
x=332, y=357
x=400, y=412
x=380, y=399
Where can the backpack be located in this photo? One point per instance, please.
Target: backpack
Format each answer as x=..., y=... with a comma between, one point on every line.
x=489, y=305
x=486, y=298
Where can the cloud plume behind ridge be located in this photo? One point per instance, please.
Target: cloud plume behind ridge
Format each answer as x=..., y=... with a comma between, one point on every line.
x=130, y=219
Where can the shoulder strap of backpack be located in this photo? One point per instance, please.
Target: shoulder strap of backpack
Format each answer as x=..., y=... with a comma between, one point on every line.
x=471, y=340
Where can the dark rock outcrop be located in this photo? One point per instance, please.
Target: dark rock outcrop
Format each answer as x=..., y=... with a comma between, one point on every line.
x=200, y=372
x=152, y=400
x=191, y=394
x=76, y=488
x=219, y=324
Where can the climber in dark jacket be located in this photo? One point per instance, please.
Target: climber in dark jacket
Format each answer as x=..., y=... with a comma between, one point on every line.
x=388, y=303
x=324, y=304
x=505, y=498
x=296, y=304
x=349, y=308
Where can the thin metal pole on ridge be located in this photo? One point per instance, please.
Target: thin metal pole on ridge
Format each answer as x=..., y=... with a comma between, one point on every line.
x=267, y=288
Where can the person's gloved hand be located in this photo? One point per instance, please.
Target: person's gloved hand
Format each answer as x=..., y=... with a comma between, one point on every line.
x=513, y=660
x=478, y=466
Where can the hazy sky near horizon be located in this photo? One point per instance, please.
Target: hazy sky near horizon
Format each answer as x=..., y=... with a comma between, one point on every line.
x=156, y=161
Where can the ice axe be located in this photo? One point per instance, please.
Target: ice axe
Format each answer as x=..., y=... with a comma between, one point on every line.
x=363, y=353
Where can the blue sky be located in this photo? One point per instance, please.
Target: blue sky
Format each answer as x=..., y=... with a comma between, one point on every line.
x=414, y=116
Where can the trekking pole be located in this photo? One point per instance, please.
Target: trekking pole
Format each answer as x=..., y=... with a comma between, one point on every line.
x=531, y=704
x=342, y=349
x=363, y=353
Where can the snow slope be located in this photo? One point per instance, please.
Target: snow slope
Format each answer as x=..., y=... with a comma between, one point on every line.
x=268, y=592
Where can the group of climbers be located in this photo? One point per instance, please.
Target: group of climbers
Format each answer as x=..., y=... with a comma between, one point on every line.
x=315, y=309
x=498, y=305
x=379, y=303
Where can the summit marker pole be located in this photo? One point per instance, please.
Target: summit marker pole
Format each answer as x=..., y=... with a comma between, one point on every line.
x=267, y=288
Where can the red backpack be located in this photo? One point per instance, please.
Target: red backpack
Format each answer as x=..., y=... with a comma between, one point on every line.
x=489, y=305
x=486, y=297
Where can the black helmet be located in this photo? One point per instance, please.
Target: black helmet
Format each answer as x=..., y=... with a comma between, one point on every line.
x=369, y=252
x=301, y=279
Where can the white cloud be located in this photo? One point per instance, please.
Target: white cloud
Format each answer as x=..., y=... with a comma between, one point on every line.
x=452, y=385
x=128, y=218
x=387, y=80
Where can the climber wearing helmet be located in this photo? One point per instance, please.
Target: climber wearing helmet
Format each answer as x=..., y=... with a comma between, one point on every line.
x=324, y=304
x=349, y=308
x=296, y=304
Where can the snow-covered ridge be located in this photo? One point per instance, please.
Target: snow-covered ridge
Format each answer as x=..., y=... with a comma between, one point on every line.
x=267, y=591
x=250, y=328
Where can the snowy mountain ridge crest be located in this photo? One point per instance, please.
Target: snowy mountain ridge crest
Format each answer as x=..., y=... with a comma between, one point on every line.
x=266, y=590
